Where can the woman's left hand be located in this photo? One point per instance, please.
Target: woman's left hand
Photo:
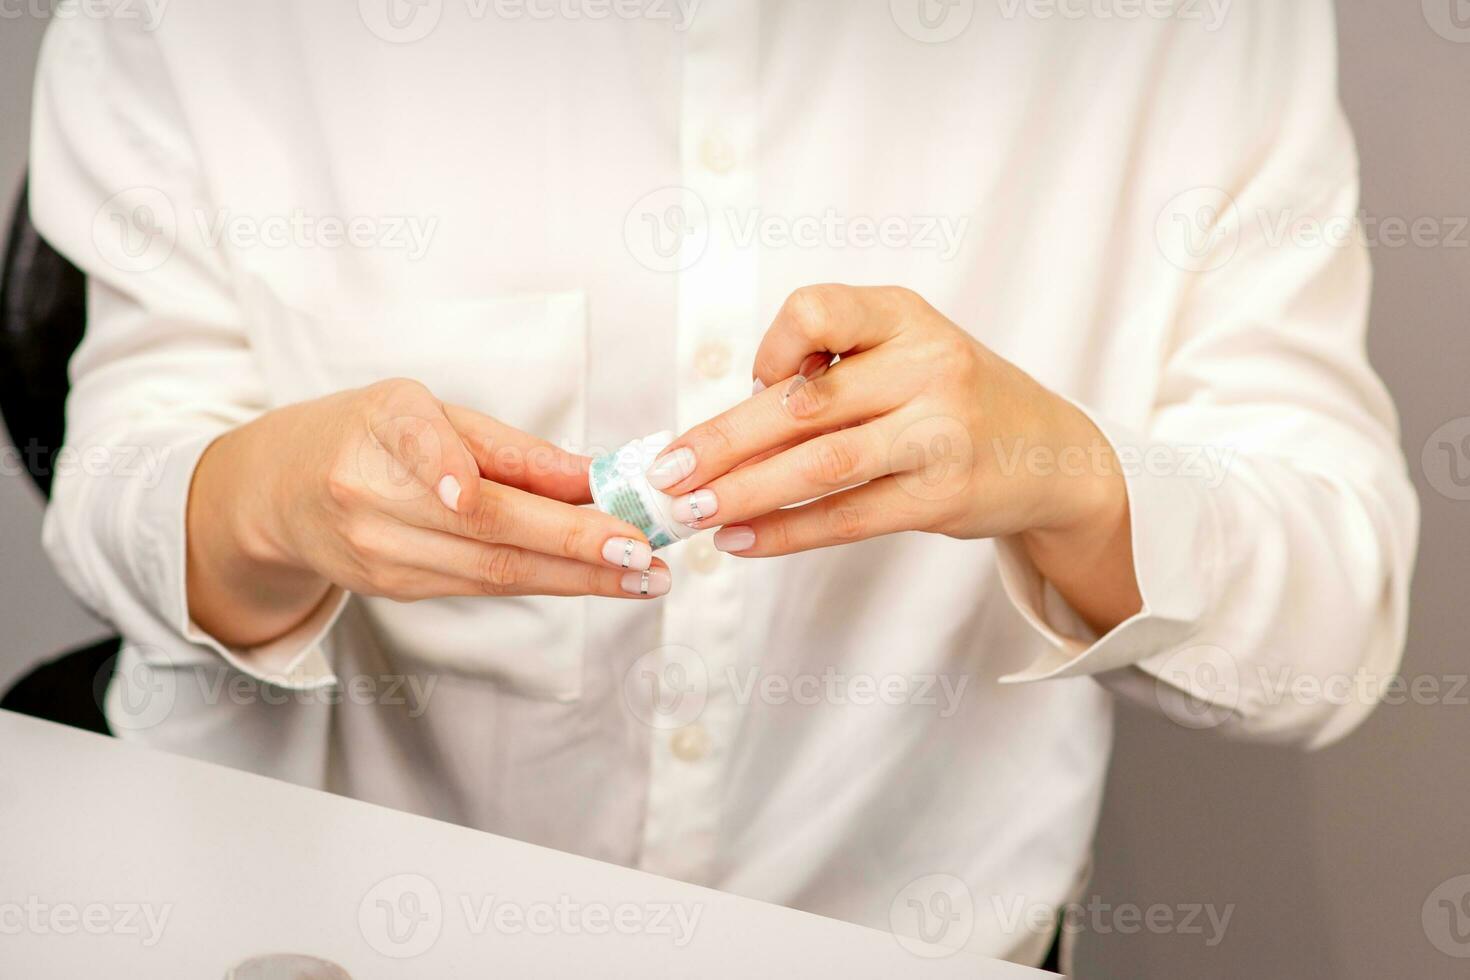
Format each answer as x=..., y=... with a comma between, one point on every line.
x=918, y=426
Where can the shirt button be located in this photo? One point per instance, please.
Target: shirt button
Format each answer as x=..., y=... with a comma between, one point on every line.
x=712, y=360
x=691, y=743
x=717, y=155
x=702, y=554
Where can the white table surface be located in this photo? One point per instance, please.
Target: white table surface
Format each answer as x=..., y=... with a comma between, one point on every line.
x=96, y=836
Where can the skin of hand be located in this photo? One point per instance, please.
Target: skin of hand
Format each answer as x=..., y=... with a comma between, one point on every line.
x=916, y=427
x=386, y=491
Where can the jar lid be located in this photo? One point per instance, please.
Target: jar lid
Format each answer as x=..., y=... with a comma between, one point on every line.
x=620, y=487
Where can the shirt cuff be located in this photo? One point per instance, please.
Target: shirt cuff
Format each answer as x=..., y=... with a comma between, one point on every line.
x=295, y=661
x=1175, y=535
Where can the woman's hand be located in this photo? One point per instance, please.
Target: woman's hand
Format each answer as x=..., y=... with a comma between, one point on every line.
x=917, y=427
x=385, y=491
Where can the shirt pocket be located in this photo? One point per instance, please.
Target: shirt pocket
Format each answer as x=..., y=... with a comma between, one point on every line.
x=519, y=358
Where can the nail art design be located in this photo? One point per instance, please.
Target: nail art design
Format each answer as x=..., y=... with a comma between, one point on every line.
x=694, y=509
x=627, y=553
x=648, y=584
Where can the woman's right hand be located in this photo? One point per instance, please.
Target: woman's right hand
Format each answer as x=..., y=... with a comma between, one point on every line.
x=386, y=491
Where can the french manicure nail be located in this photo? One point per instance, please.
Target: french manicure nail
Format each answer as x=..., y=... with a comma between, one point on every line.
x=627, y=553
x=695, y=507
x=796, y=384
x=735, y=539
x=449, y=493
x=815, y=365
x=669, y=469
x=652, y=582
x=757, y=386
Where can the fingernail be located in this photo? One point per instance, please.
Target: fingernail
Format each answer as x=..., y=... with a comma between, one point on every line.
x=651, y=582
x=627, y=553
x=796, y=384
x=698, y=506
x=669, y=469
x=815, y=365
x=735, y=539
x=449, y=493
x=757, y=386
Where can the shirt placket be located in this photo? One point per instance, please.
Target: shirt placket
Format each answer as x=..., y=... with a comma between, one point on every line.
x=717, y=336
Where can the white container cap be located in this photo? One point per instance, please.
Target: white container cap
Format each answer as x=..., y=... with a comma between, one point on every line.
x=620, y=488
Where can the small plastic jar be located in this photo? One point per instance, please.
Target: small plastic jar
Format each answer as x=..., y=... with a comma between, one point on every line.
x=621, y=489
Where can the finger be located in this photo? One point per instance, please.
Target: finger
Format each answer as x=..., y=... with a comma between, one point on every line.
x=422, y=563
x=518, y=518
x=809, y=470
x=514, y=458
x=428, y=451
x=854, y=390
x=834, y=318
x=873, y=509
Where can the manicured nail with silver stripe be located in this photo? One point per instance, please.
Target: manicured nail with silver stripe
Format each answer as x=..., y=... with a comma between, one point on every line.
x=650, y=583
x=694, y=508
x=627, y=553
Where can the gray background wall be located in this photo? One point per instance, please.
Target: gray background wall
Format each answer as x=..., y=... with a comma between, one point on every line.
x=1328, y=859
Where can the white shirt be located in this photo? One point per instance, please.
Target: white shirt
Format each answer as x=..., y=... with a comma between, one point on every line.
x=582, y=225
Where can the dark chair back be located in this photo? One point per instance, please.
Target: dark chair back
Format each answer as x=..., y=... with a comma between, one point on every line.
x=43, y=312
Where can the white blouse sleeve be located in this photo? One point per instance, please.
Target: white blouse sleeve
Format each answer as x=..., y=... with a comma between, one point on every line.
x=165, y=365
x=1274, y=525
